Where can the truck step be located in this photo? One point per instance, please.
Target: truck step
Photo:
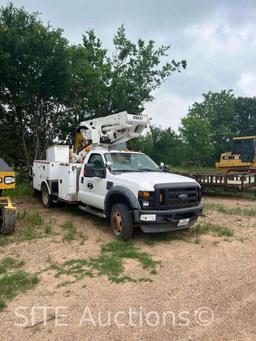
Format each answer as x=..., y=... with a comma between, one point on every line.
x=91, y=210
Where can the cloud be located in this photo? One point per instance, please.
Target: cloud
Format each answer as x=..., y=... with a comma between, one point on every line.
x=216, y=37
x=247, y=84
x=168, y=109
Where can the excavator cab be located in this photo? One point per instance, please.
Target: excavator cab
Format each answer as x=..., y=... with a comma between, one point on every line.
x=242, y=158
x=7, y=208
x=245, y=147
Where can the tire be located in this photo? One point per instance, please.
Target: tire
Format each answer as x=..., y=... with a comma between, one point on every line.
x=7, y=220
x=121, y=222
x=46, y=198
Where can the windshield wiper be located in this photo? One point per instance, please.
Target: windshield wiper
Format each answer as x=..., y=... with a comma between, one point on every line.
x=148, y=170
x=124, y=170
x=135, y=170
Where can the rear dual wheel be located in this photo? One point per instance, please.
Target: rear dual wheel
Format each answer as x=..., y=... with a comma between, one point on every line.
x=46, y=198
x=121, y=222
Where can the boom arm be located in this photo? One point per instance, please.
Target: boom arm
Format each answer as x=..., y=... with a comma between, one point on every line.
x=113, y=129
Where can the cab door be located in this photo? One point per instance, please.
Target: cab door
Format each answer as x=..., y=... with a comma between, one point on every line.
x=93, y=189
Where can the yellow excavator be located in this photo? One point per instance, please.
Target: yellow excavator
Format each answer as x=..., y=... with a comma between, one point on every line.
x=7, y=208
x=242, y=157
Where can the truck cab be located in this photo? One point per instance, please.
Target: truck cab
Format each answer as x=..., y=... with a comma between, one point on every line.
x=131, y=190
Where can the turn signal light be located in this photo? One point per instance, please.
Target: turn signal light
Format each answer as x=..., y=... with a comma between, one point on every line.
x=144, y=195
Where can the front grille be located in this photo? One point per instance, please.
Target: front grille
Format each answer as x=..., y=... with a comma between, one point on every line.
x=182, y=197
x=179, y=196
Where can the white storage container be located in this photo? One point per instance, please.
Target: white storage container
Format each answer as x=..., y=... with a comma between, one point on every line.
x=44, y=170
x=68, y=181
x=57, y=153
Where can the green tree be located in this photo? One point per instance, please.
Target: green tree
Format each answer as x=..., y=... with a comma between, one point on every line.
x=123, y=81
x=34, y=72
x=217, y=111
x=48, y=86
x=162, y=145
x=245, y=114
x=197, y=136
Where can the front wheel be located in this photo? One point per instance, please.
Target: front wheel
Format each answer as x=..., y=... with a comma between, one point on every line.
x=121, y=222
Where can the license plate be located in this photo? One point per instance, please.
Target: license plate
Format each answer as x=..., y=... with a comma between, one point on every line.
x=148, y=217
x=183, y=222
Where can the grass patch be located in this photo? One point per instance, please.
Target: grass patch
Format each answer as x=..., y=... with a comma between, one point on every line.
x=8, y=263
x=48, y=229
x=29, y=226
x=15, y=283
x=74, y=267
x=215, y=229
x=21, y=190
x=2, y=304
x=230, y=193
x=109, y=263
x=249, y=212
x=70, y=231
x=13, y=280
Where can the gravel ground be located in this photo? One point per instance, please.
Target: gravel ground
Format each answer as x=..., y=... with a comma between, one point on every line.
x=204, y=288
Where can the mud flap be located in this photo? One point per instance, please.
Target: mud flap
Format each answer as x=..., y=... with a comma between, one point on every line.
x=7, y=220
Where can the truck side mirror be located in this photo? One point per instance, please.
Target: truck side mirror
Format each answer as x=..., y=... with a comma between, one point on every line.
x=163, y=167
x=108, y=164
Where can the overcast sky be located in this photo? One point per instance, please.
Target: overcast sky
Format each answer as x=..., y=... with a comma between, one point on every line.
x=216, y=37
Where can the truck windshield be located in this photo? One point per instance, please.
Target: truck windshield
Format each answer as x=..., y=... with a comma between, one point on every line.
x=131, y=162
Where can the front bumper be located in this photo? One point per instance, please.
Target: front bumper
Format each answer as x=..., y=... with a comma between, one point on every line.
x=167, y=220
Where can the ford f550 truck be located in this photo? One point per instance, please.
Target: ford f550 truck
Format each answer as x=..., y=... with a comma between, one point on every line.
x=126, y=187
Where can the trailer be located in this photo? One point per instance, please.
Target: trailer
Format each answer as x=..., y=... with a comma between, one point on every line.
x=237, y=181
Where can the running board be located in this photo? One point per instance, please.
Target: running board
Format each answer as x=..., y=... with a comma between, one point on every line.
x=91, y=210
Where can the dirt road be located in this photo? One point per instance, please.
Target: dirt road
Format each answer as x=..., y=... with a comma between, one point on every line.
x=203, y=286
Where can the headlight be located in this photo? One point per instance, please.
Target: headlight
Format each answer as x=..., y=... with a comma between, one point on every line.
x=1, y=180
x=8, y=180
x=145, y=203
x=146, y=199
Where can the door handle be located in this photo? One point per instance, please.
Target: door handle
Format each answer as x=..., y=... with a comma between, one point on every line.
x=82, y=180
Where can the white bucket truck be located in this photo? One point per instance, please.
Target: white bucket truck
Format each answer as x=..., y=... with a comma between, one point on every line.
x=126, y=187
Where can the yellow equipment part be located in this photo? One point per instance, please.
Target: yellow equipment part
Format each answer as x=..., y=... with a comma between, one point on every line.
x=79, y=142
x=242, y=158
x=7, y=208
x=7, y=180
x=229, y=162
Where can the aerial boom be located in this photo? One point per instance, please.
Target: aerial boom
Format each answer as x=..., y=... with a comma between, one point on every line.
x=113, y=129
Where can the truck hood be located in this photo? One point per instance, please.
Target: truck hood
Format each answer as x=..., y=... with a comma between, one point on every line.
x=147, y=180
